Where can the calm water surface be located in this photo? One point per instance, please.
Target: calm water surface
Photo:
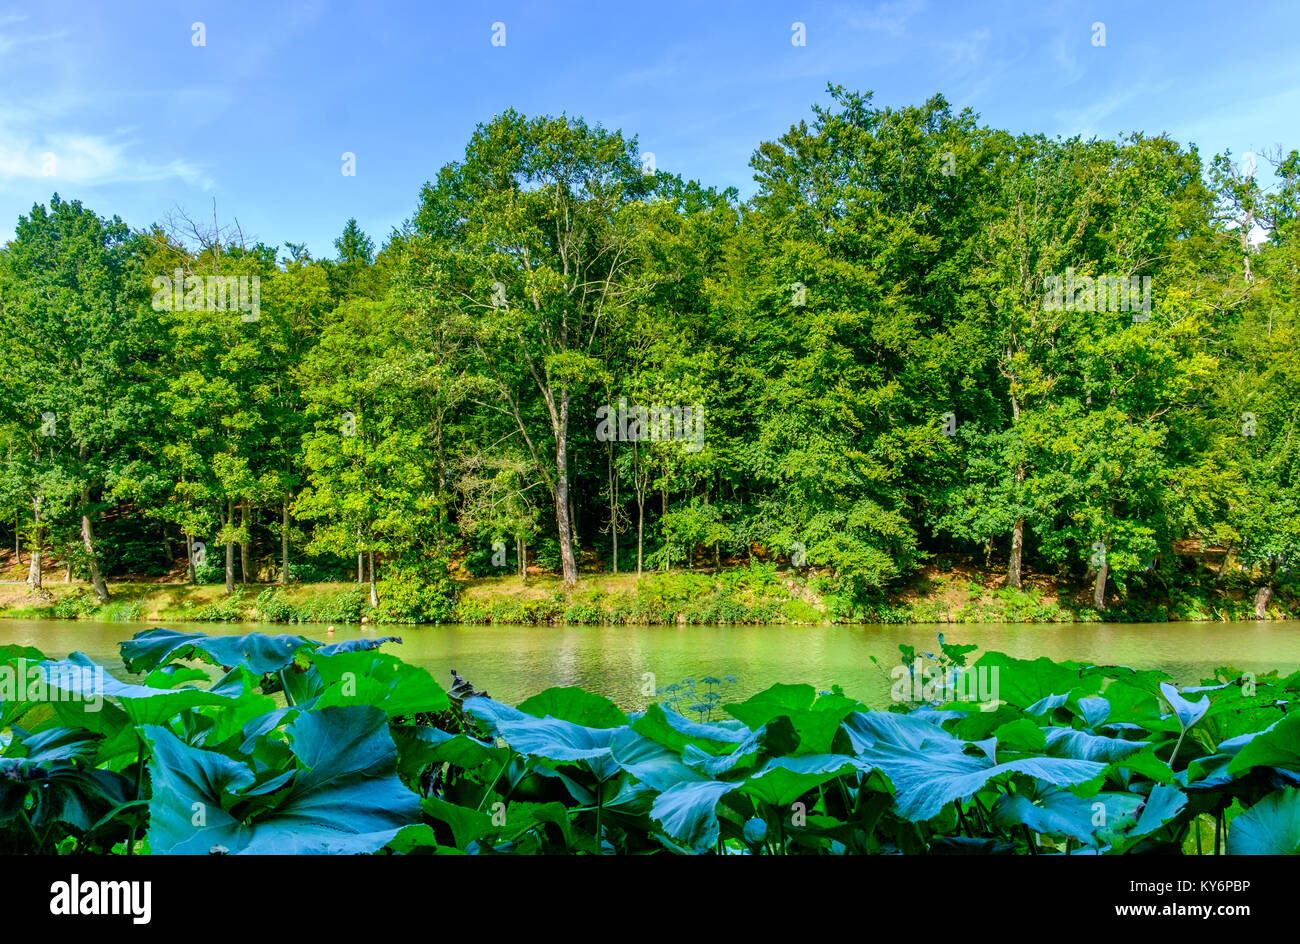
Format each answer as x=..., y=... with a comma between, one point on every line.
x=513, y=662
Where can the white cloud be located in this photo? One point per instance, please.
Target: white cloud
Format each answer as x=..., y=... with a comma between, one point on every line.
x=11, y=39
x=85, y=159
x=890, y=17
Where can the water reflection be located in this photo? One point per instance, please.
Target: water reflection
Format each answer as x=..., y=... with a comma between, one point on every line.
x=514, y=662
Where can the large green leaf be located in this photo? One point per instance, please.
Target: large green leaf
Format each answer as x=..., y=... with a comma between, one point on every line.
x=925, y=781
x=1096, y=821
x=379, y=680
x=783, y=780
x=1279, y=746
x=1068, y=742
x=344, y=795
x=1187, y=712
x=85, y=684
x=1022, y=683
x=688, y=812
x=815, y=719
x=547, y=737
x=869, y=728
x=466, y=825
x=576, y=705
x=651, y=762
x=675, y=731
x=419, y=746
x=260, y=653
x=53, y=769
x=1164, y=803
x=1270, y=827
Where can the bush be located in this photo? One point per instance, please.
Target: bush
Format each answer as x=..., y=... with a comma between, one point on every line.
x=209, y=571
x=478, y=559
x=229, y=610
x=417, y=591
x=346, y=607
x=588, y=612
x=75, y=605
x=272, y=607
x=547, y=556
x=120, y=611
x=329, y=568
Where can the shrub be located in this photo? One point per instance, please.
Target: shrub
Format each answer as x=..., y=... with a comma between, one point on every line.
x=75, y=605
x=345, y=607
x=120, y=611
x=328, y=568
x=417, y=591
x=272, y=607
x=210, y=571
x=229, y=610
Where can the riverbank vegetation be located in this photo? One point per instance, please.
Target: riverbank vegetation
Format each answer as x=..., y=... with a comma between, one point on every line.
x=757, y=594
x=298, y=747
x=922, y=340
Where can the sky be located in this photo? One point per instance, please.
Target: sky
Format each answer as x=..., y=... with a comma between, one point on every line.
x=141, y=120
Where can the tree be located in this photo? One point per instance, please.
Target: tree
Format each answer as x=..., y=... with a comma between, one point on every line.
x=80, y=340
x=534, y=253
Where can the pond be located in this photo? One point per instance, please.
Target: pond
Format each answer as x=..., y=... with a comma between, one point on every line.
x=514, y=662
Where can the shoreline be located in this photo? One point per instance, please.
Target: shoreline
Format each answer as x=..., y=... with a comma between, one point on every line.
x=731, y=596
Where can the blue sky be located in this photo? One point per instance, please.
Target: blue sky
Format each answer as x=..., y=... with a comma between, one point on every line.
x=141, y=120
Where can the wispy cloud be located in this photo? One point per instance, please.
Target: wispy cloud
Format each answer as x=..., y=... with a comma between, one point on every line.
x=11, y=39
x=890, y=17
x=47, y=135
x=1093, y=118
x=86, y=159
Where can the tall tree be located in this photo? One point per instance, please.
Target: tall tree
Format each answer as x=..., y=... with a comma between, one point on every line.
x=535, y=255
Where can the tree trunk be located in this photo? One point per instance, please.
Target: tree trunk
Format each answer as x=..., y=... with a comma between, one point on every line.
x=663, y=518
x=374, y=592
x=230, y=548
x=562, y=494
x=1018, y=529
x=34, y=572
x=189, y=557
x=1262, y=598
x=640, y=532
x=521, y=550
x=1099, y=588
x=1017, y=552
x=245, y=541
x=88, y=542
x=613, y=507
x=67, y=572
x=573, y=520
x=284, y=544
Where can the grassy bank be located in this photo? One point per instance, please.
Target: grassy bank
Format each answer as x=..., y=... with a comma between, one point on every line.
x=757, y=594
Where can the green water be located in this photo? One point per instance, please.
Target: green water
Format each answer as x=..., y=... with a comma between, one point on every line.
x=513, y=662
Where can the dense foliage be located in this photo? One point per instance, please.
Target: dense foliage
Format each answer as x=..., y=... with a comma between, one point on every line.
x=866, y=360
x=302, y=748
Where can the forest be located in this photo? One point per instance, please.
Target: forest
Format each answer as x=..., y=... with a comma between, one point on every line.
x=920, y=336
